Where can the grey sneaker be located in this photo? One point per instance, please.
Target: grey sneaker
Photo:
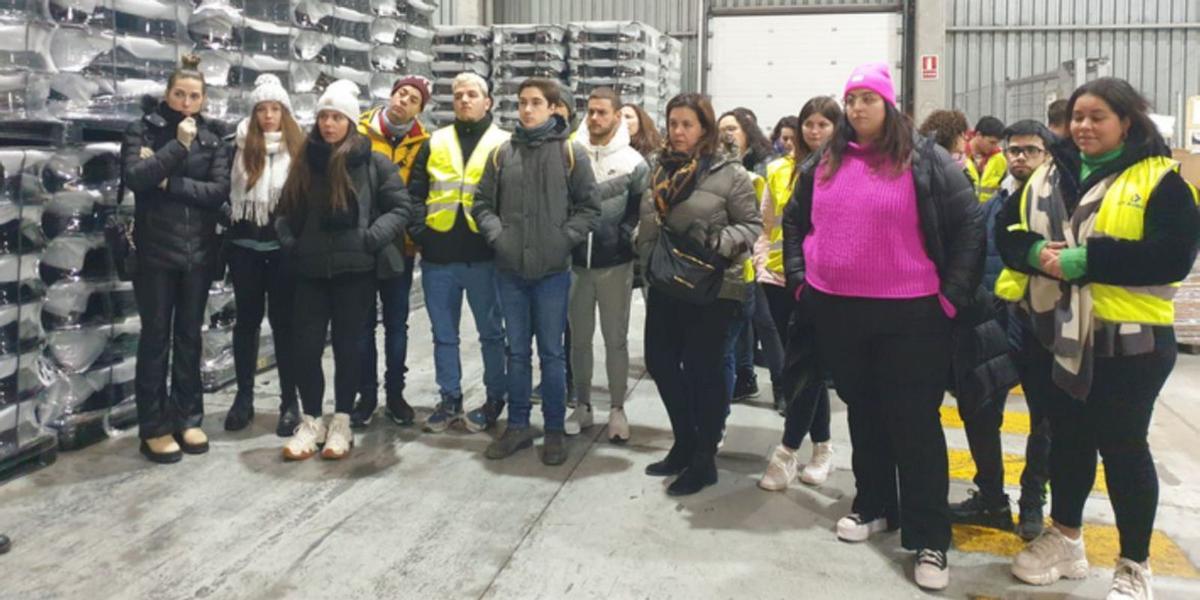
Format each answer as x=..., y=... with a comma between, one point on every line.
x=554, y=448
x=580, y=419
x=514, y=439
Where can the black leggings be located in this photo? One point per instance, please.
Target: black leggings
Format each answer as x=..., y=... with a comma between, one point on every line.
x=262, y=286
x=890, y=359
x=343, y=304
x=808, y=410
x=1114, y=422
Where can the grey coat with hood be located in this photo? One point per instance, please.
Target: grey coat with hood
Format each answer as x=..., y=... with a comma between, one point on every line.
x=721, y=213
x=533, y=207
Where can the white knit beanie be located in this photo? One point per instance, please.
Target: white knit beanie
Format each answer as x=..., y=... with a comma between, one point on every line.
x=268, y=88
x=341, y=96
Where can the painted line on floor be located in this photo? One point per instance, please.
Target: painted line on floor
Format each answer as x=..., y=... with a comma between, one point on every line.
x=962, y=468
x=1102, y=545
x=1016, y=423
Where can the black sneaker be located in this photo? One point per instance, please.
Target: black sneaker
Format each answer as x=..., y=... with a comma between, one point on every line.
x=554, y=448
x=1030, y=523
x=444, y=415
x=976, y=510
x=746, y=387
x=693, y=479
x=5, y=544
x=399, y=411
x=363, y=412
x=514, y=439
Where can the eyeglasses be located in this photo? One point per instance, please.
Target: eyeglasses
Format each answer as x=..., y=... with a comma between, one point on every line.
x=1028, y=151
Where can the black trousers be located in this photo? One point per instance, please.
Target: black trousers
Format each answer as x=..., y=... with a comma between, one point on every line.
x=890, y=360
x=171, y=306
x=1114, y=421
x=685, y=354
x=339, y=306
x=808, y=411
x=262, y=286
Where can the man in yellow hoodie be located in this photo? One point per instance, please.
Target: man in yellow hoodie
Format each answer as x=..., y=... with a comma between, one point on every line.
x=396, y=132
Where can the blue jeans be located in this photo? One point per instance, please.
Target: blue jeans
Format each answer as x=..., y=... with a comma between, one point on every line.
x=394, y=293
x=444, y=286
x=537, y=307
x=733, y=362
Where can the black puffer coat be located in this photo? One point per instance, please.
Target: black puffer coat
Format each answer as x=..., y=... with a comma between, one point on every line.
x=175, y=228
x=950, y=217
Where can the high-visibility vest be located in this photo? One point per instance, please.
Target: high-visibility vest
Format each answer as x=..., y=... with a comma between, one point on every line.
x=780, y=182
x=450, y=184
x=993, y=175
x=748, y=273
x=1121, y=216
x=402, y=154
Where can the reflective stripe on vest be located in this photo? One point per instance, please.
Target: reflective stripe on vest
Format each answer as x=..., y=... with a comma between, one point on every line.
x=450, y=185
x=1121, y=216
x=780, y=183
x=760, y=184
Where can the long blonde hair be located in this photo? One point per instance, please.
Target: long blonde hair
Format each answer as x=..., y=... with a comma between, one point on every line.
x=254, y=153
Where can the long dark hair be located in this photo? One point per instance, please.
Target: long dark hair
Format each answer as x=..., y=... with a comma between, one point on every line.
x=1127, y=103
x=297, y=194
x=254, y=153
x=788, y=122
x=895, y=146
x=758, y=147
x=825, y=106
x=702, y=106
x=647, y=139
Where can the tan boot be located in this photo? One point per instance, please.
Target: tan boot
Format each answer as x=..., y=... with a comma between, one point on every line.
x=193, y=440
x=162, y=450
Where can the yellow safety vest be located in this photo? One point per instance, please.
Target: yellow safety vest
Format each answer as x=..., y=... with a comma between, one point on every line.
x=780, y=181
x=748, y=274
x=450, y=185
x=1121, y=216
x=993, y=175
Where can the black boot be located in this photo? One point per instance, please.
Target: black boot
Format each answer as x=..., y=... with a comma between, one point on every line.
x=289, y=418
x=674, y=464
x=745, y=387
x=241, y=414
x=699, y=475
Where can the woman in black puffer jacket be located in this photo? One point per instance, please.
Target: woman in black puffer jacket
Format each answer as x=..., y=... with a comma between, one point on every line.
x=174, y=163
x=341, y=208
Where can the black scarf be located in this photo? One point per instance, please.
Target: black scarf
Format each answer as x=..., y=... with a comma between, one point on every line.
x=675, y=179
x=539, y=134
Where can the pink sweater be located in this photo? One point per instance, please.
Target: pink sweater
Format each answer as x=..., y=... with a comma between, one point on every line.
x=866, y=238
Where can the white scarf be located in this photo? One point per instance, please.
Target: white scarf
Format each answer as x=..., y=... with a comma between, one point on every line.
x=257, y=203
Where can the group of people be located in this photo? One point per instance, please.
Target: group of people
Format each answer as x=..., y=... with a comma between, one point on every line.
x=855, y=249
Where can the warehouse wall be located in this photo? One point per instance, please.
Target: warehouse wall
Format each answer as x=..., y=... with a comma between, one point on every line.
x=679, y=18
x=1154, y=44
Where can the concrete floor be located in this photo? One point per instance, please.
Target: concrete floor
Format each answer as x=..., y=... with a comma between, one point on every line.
x=415, y=515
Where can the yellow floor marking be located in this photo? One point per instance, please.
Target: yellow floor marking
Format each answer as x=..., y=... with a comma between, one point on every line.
x=962, y=468
x=1102, y=543
x=1016, y=423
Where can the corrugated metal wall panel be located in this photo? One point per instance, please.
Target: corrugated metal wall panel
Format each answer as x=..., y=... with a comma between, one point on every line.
x=446, y=14
x=991, y=45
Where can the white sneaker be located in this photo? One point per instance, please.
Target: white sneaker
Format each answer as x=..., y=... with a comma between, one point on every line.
x=1050, y=557
x=618, y=426
x=340, y=439
x=1131, y=582
x=851, y=528
x=580, y=419
x=931, y=572
x=781, y=470
x=817, y=469
x=309, y=435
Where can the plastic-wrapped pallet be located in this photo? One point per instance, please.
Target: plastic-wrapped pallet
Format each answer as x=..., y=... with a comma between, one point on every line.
x=622, y=55
x=518, y=53
x=90, y=318
x=22, y=440
x=403, y=43
x=26, y=59
x=671, y=74
x=457, y=50
x=1187, y=309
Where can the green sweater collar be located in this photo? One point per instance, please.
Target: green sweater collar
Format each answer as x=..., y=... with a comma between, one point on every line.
x=1091, y=164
